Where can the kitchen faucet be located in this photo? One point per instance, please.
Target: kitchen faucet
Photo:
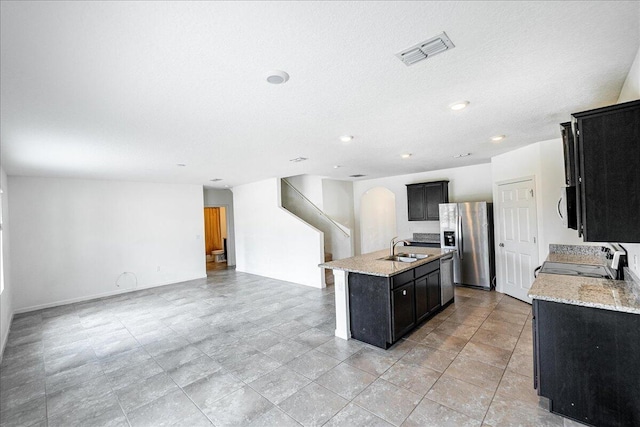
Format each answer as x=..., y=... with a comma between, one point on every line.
x=392, y=245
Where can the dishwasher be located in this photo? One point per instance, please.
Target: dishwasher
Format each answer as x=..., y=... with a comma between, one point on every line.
x=446, y=279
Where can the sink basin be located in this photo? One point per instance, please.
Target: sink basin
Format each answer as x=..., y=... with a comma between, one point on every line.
x=398, y=258
x=416, y=256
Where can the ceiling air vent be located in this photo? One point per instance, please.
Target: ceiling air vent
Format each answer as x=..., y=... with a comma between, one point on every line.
x=426, y=49
x=358, y=175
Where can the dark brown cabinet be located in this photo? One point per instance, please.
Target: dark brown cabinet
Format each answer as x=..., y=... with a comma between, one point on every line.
x=607, y=173
x=423, y=200
x=403, y=310
x=569, y=154
x=587, y=362
x=383, y=309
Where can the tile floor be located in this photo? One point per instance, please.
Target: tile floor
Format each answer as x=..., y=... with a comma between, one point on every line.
x=243, y=350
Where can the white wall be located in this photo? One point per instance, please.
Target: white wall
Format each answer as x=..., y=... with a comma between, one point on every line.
x=6, y=303
x=213, y=198
x=545, y=161
x=337, y=201
x=466, y=184
x=630, y=92
x=72, y=239
x=271, y=241
x=310, y=186
x=631, y=88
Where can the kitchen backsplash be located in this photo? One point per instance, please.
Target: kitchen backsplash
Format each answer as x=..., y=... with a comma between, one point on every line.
x=575, y=249
x=426, y=237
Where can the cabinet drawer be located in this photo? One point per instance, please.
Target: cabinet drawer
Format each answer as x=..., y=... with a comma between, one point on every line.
x=401, y=279
x=427, y=268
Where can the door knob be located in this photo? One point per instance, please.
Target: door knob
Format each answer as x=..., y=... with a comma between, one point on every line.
x=501, y=245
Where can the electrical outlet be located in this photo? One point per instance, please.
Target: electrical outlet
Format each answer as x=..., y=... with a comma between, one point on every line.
x=635, y=262
x=158, y=269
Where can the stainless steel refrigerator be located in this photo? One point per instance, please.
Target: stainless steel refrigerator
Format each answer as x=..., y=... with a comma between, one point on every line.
x=467, y=228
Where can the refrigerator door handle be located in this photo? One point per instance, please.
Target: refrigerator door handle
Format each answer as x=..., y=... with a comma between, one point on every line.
x=459, y=237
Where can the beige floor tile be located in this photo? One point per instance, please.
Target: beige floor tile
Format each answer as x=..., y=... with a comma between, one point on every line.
x=442, y=341
x=466, y=319
x=476, y=373
x=427, y=357
x=487, y=354
x=507, y=412
x=518, y=387
x=466, y=398
x=506, y=316
x=456, y=329
x=501, y=327
x=430, y=413
x=522, y=363
x=388, y=401
x=505, y=342
x=416, y=379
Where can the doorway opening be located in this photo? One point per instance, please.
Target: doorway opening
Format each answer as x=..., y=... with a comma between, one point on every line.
x=215, y=237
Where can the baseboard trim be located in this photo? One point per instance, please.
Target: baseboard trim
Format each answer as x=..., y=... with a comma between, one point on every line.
x=98, y=296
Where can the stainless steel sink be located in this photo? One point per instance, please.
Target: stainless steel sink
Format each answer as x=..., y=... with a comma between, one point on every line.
x=404, y=257
x=417, y=256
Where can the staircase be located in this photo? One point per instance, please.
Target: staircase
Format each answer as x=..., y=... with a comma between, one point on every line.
x=337, y=238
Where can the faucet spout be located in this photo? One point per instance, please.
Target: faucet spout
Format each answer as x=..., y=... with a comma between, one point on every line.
x=393, y=244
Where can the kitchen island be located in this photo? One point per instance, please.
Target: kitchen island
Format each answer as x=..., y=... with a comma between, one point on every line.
x=380, y=300
x=586, y=338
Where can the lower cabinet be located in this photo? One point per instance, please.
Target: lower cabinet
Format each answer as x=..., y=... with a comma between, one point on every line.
x=587, y=362
x=384, y=309
x=403, y=310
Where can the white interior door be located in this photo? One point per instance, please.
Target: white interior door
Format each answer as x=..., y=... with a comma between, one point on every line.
x=517, y=248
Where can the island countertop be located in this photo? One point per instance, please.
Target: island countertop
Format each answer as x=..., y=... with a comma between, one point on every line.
x=372, y=265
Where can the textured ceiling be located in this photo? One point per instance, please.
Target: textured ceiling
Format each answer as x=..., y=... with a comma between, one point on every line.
x=117, y=90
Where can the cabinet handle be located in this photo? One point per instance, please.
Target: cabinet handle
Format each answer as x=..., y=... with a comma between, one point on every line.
x=404, y=292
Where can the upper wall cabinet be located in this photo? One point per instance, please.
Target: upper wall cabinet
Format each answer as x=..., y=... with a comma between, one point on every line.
x=423, y=200
x=607, y=153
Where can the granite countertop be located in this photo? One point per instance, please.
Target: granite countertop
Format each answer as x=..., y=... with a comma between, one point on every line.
x=576, y=259
x=616, y=295
x=372, y=265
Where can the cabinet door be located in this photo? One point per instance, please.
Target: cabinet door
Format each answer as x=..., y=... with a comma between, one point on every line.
x=422, y=297
x=609, y=170
x=403, y=310
x=434, y=197
x=417, y=202
x=433, y=291
x=569, y=157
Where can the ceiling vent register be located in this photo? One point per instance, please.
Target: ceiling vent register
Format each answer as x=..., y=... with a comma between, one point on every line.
x=426, y=49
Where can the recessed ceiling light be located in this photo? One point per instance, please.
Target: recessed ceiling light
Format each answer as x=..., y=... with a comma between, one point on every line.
x=298, y=159
x=346, y=138
x=277, y=77
x=461, y=155
x=337, y=166
x=215, y=179
x=181, y=165
x=406, y=155
x=460, y=105
x=498, y=138
x=226, y=186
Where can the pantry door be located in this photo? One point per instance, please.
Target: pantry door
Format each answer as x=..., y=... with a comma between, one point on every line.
x=517, y=237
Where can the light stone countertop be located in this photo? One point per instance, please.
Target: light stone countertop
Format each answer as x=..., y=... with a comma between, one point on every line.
x=372, y=265
x=576, y=259
x=615, y=295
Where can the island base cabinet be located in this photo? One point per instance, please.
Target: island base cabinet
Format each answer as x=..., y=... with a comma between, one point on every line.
x=587, y=362
x=403, y=310
x=370, y=309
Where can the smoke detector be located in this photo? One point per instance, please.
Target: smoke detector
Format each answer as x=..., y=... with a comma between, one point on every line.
x=425, y=49
x=277, y=77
